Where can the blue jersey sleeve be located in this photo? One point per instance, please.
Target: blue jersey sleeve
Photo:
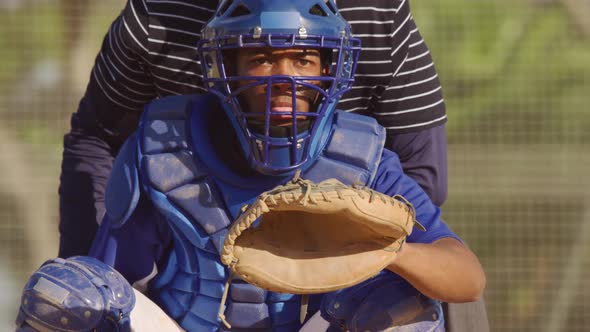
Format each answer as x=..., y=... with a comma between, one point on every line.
x=391, y=180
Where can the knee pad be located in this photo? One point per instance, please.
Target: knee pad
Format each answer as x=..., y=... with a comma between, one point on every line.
x=383, y=303
x=76, y=294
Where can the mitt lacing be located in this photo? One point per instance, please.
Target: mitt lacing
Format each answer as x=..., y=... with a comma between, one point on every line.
x=285, y=192
x=221, y=313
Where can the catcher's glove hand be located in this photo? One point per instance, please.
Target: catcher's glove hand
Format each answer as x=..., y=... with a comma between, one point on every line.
x=315, y=238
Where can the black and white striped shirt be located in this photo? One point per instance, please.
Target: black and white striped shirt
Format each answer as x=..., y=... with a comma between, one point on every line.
x=151, y=51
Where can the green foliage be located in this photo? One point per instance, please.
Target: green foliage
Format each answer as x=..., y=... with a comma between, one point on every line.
x=470, y=40
x=512, y=72
x=27, y=35
x=38, y=37
x=37, y=133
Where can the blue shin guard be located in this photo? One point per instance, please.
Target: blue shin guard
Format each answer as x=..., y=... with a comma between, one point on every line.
x=76, y=294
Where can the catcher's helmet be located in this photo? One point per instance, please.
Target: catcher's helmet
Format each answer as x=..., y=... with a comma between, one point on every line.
x=289, y=24
x=76, y=294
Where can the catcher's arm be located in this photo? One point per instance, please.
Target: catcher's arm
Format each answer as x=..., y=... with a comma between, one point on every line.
x=434, y=261
x=445, y=270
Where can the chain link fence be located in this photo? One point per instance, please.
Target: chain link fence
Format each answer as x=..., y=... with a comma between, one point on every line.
x=516, y=81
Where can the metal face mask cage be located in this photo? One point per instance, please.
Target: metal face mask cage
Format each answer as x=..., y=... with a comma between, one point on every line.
x=268, y=152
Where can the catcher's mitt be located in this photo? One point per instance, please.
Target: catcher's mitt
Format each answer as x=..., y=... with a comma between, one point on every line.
x=315, y=238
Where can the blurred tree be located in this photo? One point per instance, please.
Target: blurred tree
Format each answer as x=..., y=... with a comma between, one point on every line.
x=74, y=15
x=580, y=11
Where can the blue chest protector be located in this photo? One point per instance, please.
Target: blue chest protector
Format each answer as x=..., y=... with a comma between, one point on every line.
x=174, y=163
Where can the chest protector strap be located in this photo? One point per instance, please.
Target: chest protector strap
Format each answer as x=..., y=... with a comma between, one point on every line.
x=191, y=285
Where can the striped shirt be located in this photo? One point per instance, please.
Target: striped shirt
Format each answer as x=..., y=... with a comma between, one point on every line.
x=151, y=51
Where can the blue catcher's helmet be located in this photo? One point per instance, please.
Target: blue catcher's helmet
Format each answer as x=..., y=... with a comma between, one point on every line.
x=306, y=24
x=76, y=294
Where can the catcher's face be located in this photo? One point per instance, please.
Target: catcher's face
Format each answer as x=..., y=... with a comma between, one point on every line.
x=283, y=62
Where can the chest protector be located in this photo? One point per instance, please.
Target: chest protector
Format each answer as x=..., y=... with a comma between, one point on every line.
x=176, y=166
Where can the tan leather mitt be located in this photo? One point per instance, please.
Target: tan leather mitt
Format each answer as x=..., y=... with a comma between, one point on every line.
x=315, y=238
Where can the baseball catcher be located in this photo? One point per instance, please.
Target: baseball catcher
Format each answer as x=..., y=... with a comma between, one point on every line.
x=310, y=214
